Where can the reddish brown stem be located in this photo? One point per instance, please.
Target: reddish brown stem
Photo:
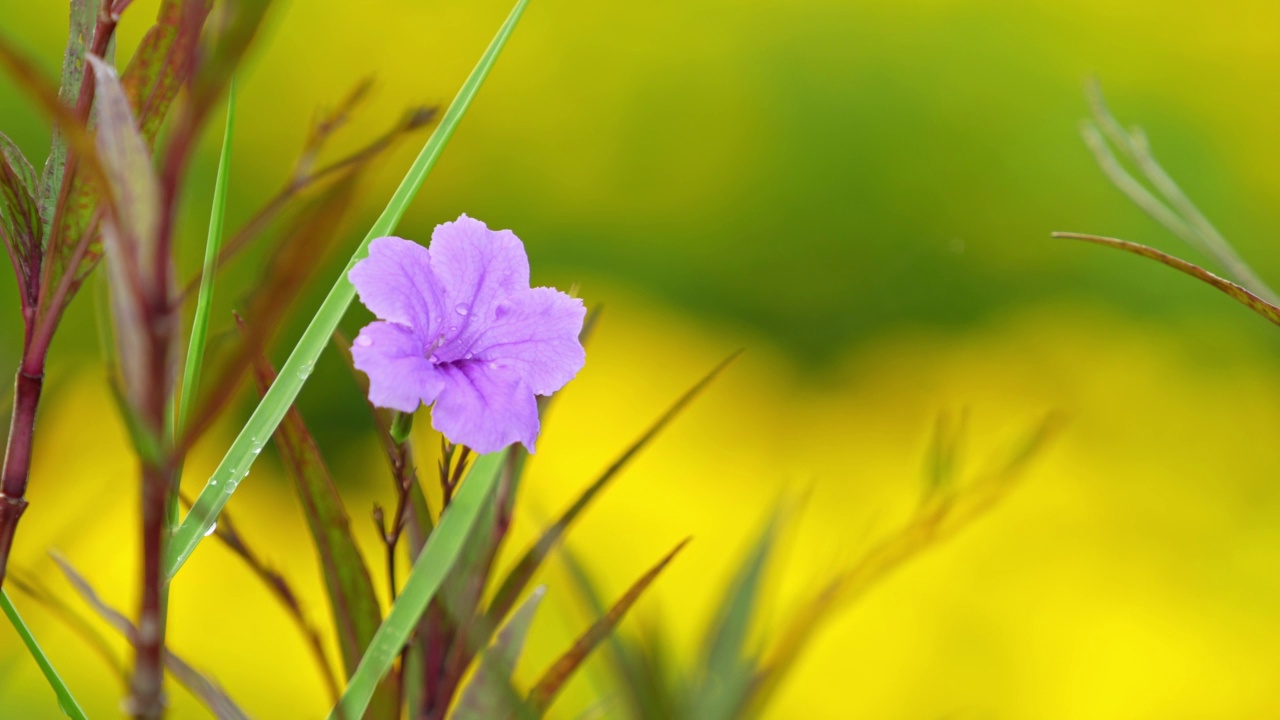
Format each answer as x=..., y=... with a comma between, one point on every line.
x=17, y=459
x=30, y=381
x=147, y=683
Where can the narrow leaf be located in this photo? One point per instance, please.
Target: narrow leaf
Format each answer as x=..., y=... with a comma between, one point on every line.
x=83, y=19
x=1173, y=208
x=20, y=223
x=559, y=673
x=204, y=301
x=204, y=689
x=297, y=367
x=523, y=571
x=290, y=267
x=66, y=702
x=130, y=232
x=1236, y=292
x=490, y=694
x=163, y=61
x=442, y=551
x=356, y=614
x=728, y=671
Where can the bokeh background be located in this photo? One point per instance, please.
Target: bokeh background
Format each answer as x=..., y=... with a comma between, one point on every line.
x=858, y=192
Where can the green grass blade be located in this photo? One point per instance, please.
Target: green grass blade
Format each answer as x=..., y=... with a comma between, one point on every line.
x=428, y=574
x=204, y=300
x=235, y=465
x=65, y=700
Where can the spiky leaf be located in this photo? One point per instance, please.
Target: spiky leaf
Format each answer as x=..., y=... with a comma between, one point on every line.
x=490, y=695
x=545, y=691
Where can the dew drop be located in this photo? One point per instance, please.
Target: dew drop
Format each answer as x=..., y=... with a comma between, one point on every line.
x=434, y=359
x=212, y=529
x=468, y=356
x=364, y=341
x=461, y=309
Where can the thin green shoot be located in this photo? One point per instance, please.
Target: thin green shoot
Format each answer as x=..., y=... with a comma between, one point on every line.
x=297, y=368
x=66, y=701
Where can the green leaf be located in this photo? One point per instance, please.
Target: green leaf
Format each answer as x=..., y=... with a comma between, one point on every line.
x=544, y=693
x=490, y=695
x=727, y=671
x=523, y=571
x=204, y=300
x=83, y=19
x=1236, y=292
x=356, y=614
x=20, y=223
x=66, y=702
x=76, y=136
x=438, y=557
x=290, y=266
x=163, y=61
x=240, y=456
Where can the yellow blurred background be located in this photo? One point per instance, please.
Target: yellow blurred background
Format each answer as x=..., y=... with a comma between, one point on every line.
x=858, y=192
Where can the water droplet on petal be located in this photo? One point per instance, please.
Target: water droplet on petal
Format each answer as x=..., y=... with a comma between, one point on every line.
x=468, y=356
x=212, y=529
x=364, y=341
x=453, y=329
x=461, y=309
x=434, y=359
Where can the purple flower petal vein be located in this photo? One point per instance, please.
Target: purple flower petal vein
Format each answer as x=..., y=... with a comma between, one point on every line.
x=459, y=326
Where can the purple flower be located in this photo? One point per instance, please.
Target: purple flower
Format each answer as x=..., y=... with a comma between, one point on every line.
x=460, y=327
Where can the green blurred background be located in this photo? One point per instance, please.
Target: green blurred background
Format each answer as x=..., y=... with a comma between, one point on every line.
x=860, y=193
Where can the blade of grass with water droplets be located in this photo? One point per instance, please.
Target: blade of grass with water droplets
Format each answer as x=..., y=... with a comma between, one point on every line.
x=66, y=701
x=296, y=369
x=441, y=552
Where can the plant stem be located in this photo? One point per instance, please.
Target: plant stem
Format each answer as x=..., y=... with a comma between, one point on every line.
x=17, y=460
x=30, y=377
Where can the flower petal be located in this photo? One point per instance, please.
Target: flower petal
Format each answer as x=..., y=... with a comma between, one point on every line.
x=485, y=406
x=535, y=332
x=400, y=377
x=396, y=284
x=475, y=269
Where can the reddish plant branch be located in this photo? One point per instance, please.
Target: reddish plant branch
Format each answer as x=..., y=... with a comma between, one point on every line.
x=16, y=471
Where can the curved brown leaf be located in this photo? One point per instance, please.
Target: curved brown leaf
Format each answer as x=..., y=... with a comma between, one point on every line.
x=1236, y=292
